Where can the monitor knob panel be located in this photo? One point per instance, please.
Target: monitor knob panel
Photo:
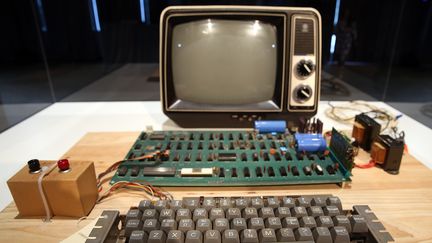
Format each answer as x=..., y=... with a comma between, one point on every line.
x=303, y=93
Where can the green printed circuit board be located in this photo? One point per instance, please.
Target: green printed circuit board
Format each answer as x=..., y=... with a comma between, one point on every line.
x=232, y=158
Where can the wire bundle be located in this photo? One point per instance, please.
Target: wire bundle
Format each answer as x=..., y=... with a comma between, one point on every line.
x=346, y=113
x=139, y=186
x=135, y=185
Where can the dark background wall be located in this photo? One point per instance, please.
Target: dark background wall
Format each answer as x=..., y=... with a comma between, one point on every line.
x=50, y=49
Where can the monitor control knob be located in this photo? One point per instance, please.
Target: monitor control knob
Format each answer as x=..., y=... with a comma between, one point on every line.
x=305, y=68
x=302, y=93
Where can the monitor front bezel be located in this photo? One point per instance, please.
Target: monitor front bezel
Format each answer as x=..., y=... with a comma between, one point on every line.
x=278, y=19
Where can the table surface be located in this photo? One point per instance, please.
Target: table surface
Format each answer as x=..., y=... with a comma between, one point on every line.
x=402, y=202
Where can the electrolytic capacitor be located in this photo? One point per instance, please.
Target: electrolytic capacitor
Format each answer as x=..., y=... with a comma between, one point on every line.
x=277, y=126
x=306, y=142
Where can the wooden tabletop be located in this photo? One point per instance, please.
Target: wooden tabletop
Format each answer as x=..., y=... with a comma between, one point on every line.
x=402, y=202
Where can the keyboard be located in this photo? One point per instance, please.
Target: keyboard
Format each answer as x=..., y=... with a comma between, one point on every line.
x=317, y=218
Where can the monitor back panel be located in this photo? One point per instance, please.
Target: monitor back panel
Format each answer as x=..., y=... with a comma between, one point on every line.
x=226, y=158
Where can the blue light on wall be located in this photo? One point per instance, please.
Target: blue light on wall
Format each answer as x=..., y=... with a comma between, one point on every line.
x=332, y=44
x=336, y=16
x=142, y=11
x=41, y=14
x=95, y=16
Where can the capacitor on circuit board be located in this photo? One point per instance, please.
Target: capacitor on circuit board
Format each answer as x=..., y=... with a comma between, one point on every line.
x=272, y=126
x=310, y=142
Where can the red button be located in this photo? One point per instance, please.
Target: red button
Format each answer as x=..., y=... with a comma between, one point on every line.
x=63, y=164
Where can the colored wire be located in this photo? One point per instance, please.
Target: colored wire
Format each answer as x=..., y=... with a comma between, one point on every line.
x=134, y=185
x=115, y=165
x=149, y=189
x=344, y=113
x=366, y=166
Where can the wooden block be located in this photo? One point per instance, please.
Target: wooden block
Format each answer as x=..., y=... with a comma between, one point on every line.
x=24, y=189
x=72, y=193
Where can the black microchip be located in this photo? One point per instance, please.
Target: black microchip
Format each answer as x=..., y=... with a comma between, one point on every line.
x=159, y=171
x=157, y=136
x=227, y=156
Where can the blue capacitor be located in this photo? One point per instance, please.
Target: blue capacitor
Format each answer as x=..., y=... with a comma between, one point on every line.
x=272, y=126
x=310, y=142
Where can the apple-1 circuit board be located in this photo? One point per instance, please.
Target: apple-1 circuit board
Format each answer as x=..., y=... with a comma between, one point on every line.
x=232, y=158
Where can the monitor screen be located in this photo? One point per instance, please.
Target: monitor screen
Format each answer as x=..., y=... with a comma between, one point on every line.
x=223, y=63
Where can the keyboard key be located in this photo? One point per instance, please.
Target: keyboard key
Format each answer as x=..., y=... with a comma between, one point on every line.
x=183, y=213
x=334, y=201
x=176, y=204
x=194, y=236
x=225, y=203
x=230, y=236
x=150, y=224
x=203, y=225
x=249, y=236
x=145, y=204
x=150, y=214
x=272, y=202
x=199, y=213
x=166, y=214
x=266, y=212
x=285, y=234
x=267, y=235
x=342, y=220
x=250, y=213
x=324, y=221
x=331, y=211
x=288, y=202
x=209, y=203
x=133, y=214
x=221, y=224
x=168, y=224
x=161, y=204
x=322, y=235
x=138, y=236
x=241, y=203
x=257, y=202
x=256, y=223
x=212, y=236
x=358, y=224
x=299, y=212
x=315, y=211
x=156, y=236
x=303, y=234
x=185, y=225
x=318, y=201
x=340, y=234
x=282, y=212
x=273, y=223
x=307, y=221
x=233, y=213
x=303, y=202
x=216, y=213
x=238, y=224
x=131, y=225
x=290, y=222
x=191, y=202
x=175, y=236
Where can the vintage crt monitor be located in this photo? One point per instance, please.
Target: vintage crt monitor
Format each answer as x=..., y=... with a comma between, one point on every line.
x=226, y=66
